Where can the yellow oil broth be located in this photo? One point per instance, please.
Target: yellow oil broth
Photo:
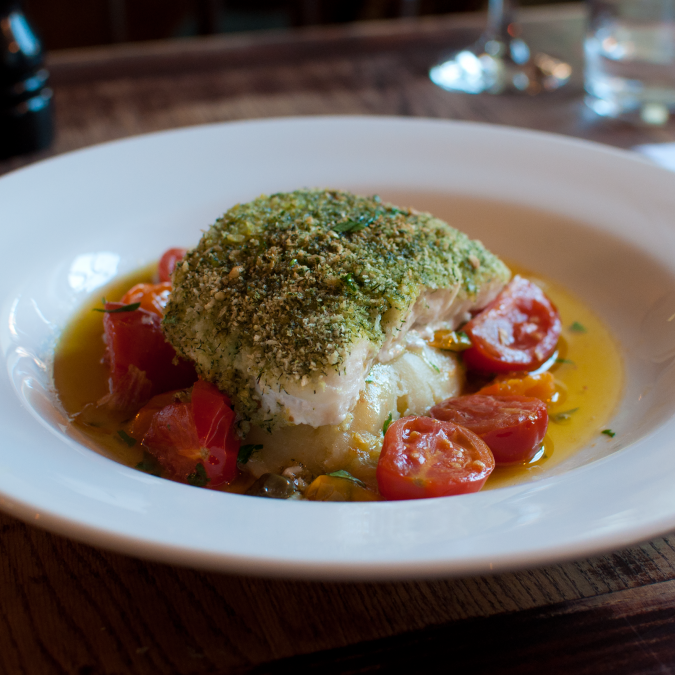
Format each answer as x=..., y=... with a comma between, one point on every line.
x=589, y=379
x=589, y=382
x=81, y=376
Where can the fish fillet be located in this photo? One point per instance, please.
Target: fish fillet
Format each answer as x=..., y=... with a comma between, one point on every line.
x=288, y=301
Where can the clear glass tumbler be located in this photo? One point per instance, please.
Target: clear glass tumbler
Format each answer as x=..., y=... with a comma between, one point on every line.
x=630, y=59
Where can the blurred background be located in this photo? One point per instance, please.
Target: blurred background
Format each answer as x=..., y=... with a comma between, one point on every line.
x=64, y=24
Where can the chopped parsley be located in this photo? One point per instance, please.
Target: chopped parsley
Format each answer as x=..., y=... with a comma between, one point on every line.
x=563, y=416
x=387, y=422
x=577, y=327
x=349, y=226
x=149, y=465
x=126, y=438
x=347, y=476
x=608, y=432
x=198, y=477
x=348, y=281
x=124, y=308
x=245, y=452
x=565, y=361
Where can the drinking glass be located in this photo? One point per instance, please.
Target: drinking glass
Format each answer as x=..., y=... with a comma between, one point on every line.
x=500, y=61
x=630, y=59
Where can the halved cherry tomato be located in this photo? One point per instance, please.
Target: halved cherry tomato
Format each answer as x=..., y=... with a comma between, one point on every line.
x=143, y=418
x=424, y=457
x=136, y=344
x=214, y=421
x=519, y=330
x=167, y=263
x=186, y=430
x=512, y=426
x=153, y=297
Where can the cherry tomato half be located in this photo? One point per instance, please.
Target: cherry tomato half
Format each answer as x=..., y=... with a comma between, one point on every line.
x=512, y=426
x=518, y=330
x=188, y=429
x=153, y=297
x=167, y=262
x=135, y=343
x=214, y=421
x=424, y=457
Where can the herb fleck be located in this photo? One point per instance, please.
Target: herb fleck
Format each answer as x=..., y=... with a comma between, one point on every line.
x=245, y=452
x=577, y=327
x=126, y=438
x=563, y=416
x=608, y=432
x=149, y=465
x=348, y=281
x=347, y=476
x=125, y=308
x=351, y=226
x=387, y=422
x=565, y=361
x=198, y=477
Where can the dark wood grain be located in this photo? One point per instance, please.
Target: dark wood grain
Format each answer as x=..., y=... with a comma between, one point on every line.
x=633, y=631
x=67, y=607
x=70, y=608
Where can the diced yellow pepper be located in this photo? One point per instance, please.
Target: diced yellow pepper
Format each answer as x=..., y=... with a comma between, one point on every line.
x=540, y=386
x=335, y=489
x=451, y=340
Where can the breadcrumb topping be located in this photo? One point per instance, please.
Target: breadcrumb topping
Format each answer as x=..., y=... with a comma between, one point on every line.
x=295, y=279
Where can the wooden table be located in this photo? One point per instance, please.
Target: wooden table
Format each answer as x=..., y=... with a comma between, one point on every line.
x=69, y=608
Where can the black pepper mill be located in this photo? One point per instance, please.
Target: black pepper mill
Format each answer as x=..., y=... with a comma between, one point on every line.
x=25, y=99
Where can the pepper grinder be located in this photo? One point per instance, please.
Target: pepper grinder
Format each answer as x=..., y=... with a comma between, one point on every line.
x=26, y=123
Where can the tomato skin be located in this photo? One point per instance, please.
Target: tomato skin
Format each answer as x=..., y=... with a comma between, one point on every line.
x=424, y=457
x=143, y=419
x=214, y=422
x=512, y=426
x=185, y=428
x=167, y=263
x=519, y=330
x=153, y=297
x=135, y=339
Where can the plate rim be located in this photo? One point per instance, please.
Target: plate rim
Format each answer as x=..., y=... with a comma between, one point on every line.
x=173, y=553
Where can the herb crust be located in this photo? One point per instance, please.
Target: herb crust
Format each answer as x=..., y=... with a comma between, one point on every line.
x=295, y=279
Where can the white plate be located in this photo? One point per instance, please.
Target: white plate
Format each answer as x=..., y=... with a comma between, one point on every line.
x=605, y=229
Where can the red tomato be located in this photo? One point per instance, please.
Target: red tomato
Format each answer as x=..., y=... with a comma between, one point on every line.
x=519, y=330
x=512, y=426
x=184, y=431
x=136, y=343
x=424, y=457
x=143, y=418
x=168, y=261
x=214, y=421
x=153, y=297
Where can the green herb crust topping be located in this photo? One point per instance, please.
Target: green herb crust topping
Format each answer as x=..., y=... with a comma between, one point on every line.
x=293, y=280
